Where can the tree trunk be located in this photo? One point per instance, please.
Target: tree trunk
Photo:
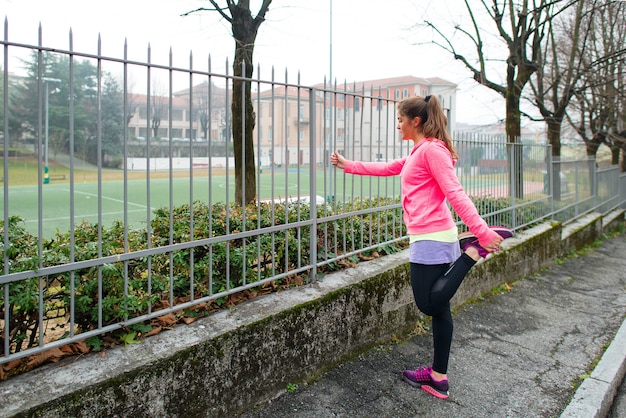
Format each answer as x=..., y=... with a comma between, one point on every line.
x=622, y=144
x=243, y=126
x=554, y=139
x=592, y=147
x=245, y=29
x=514, y=146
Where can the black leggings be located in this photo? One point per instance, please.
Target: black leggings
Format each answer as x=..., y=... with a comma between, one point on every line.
x=433, y=287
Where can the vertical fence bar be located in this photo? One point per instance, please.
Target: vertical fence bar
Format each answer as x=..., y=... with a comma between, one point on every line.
x=209, y=138
x=286, y=164
x=621, y=192
x=5, y=172
x=170, y=157
x=326, y=151
x=313, y=183
x=72, y=204
x=40, y=75
x=149, y=138
x=548, y=179
x=192, y=269
x=325, y=154
x=513, y=174
x=576, y=188
x=99, y=160
x=343, y=137
x=272, y=134
x=259, y=171
x=386, y=159
x=40, y=71
x=227, y=140
x=127, y=112
x=312, y=200
x=243, y=139
x=245, y=84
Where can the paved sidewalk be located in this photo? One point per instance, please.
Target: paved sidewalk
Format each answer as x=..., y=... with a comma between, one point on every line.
x=514, y=354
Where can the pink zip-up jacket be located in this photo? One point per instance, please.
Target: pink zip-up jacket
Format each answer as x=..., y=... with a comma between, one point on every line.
x=427, y=179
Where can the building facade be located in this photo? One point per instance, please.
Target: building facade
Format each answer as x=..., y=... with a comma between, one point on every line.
x=292, y=122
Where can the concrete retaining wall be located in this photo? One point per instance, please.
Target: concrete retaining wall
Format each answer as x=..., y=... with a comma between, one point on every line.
x=222, y=365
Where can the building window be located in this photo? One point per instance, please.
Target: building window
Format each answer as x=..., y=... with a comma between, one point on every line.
x=190, y=133
x=177, y=114
x=396, y=94
x=357, y=104
x=301, y=135
x=405, y=93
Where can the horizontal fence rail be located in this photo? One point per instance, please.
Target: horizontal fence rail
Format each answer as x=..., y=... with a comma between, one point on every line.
x=121, y=206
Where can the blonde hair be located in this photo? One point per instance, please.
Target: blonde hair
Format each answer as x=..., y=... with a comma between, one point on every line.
x=433, y=121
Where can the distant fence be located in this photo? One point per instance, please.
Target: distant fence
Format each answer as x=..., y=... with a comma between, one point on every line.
x=110, y=250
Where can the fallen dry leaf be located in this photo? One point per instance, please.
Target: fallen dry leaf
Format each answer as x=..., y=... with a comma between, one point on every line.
x=49, y=356
x=167, y=320
x=155, y=331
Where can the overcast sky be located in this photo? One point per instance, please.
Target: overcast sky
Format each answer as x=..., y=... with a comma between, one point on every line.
x=369, y=41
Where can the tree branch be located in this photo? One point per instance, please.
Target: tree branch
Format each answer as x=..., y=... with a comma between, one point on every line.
x=216, y=9
x=260, y=16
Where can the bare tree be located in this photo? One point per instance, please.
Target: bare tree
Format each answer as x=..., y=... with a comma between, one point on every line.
x=245, y=28
x=158, y=109
x=560, y=65
x=614, y=21
x=207, y=100
x=132, y=104
x=597, y=112
x=521, y=27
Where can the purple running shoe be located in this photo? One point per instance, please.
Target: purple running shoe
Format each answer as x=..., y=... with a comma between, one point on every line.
x=467, y=239
x=422, y=378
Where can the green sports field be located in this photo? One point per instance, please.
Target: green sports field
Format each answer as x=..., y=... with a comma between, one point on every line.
x=54, y=210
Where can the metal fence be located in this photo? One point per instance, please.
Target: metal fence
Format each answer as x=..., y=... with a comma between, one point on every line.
x=133, y=216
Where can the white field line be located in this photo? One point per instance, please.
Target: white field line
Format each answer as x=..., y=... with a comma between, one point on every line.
x=108, y=198
x=92, y=215
x=85, y=216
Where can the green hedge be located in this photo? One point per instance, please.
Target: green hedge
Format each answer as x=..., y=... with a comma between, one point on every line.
x=130, y=289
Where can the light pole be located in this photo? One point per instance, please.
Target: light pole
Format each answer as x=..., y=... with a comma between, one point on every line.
x=46, y=175
x=330, y=110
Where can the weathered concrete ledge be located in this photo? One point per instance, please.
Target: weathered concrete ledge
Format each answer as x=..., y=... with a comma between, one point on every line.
x=224, y=364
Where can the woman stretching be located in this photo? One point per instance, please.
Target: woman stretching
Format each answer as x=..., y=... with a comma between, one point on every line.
x=438, y=263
